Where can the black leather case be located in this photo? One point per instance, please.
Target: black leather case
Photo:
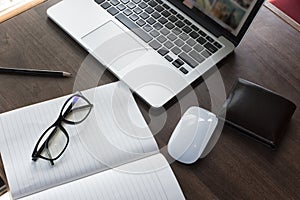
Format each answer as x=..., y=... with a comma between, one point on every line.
x=258, y=112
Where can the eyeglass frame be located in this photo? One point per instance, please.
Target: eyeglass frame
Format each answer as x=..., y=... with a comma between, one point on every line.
x=58, y=124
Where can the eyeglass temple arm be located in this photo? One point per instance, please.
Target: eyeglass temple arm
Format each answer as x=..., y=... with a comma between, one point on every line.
x=49, y=154
x=80, y=107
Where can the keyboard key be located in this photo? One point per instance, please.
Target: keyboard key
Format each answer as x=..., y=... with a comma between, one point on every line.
x=125, y=1
x=127, y=12
x=152, y=3
x=156, y=15
x=218, y=45
x=186, y=48
x=161, y=39
x=210, y=39
x=157, y=26
x=172, y=18
x=210, y=47
x=159, y=1
x=113, y=11
x=105, y=5
x=99, y=1
x=166, y=13
x=173, y=11
x=130, y=5
x=178, y=63
x=196, y=56
x=162, y=20
x=202, y=33
x=171, y=37
x=195, y=28
x=169, y=25
x=134, y=28
x=150, y=20
x=190, y=61
x=133, y=17
x=154, y=33
x=201, y=40
x=179, y=24
x=194, y=34
x=205, y=53
x=179, y=42
x=159, y=8
x=141, y=22
x=186, y=29
x=165, y=6
x=142, y=5
x=198, y=47
x=191, y=42
x=155, y=45
x=147, y=28
x=176, y=31
x=165, y=31
x=169, y=58
x=136, y=1
x=121, y=7
x=180, y=16
x=187, y=22
x=114, y=2
x=144, y=15
x=149, y=10
x=169, y=44
x=183, y=70
x=163, y=51
x=176, y=50
x=137, y=10
x=184, y=36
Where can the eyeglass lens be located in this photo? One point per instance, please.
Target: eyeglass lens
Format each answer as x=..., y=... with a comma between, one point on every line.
x=54, y=142
x=76, y=109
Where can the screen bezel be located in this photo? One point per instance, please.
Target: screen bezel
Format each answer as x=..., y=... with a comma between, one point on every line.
x=212, y=26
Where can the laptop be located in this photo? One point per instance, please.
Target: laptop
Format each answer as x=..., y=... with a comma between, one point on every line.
x=157, y=47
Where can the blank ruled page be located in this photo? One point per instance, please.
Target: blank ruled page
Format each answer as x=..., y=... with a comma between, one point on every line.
x=150, y=178
x=113, y=134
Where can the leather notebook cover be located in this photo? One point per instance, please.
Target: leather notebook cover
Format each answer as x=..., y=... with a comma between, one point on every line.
x=258, y=112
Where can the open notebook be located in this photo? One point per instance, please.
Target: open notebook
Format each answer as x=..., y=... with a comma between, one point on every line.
x=111, y=155
x=11, y=8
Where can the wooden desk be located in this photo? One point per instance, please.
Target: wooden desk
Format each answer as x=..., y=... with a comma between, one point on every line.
x=238, y=167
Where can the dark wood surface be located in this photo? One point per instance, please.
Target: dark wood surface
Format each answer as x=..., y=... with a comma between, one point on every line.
x=238, y=167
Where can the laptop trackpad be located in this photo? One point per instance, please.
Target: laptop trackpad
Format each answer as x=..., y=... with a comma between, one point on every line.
x=113, y=46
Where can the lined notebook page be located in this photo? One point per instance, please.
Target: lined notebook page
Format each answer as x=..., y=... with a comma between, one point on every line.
x=101, y=142
x=6, y=4
x=150, y=178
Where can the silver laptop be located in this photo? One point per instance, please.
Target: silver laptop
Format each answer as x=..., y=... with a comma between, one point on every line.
x=157, y=47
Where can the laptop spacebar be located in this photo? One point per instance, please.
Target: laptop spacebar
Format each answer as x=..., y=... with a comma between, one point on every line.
x=134, y=28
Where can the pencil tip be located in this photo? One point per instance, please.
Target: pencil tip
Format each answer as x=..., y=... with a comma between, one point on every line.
x=67, y=74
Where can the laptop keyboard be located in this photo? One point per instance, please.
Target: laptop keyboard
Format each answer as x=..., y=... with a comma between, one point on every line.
x=164, y=30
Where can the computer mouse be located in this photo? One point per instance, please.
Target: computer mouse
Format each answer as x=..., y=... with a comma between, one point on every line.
x=190, y=139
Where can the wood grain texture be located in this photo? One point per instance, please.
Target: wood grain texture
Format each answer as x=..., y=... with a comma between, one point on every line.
x=238, y=167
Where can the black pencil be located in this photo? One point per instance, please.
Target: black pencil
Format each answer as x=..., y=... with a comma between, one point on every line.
x=34, y=72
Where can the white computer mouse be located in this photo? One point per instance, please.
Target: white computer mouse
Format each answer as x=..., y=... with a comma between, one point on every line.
x=190, y=139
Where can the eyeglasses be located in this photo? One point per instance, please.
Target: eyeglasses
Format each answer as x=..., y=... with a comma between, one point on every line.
x=54, y=141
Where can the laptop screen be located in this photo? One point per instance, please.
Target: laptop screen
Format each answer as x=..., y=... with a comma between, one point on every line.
x=230, y=18
x=230, y=14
